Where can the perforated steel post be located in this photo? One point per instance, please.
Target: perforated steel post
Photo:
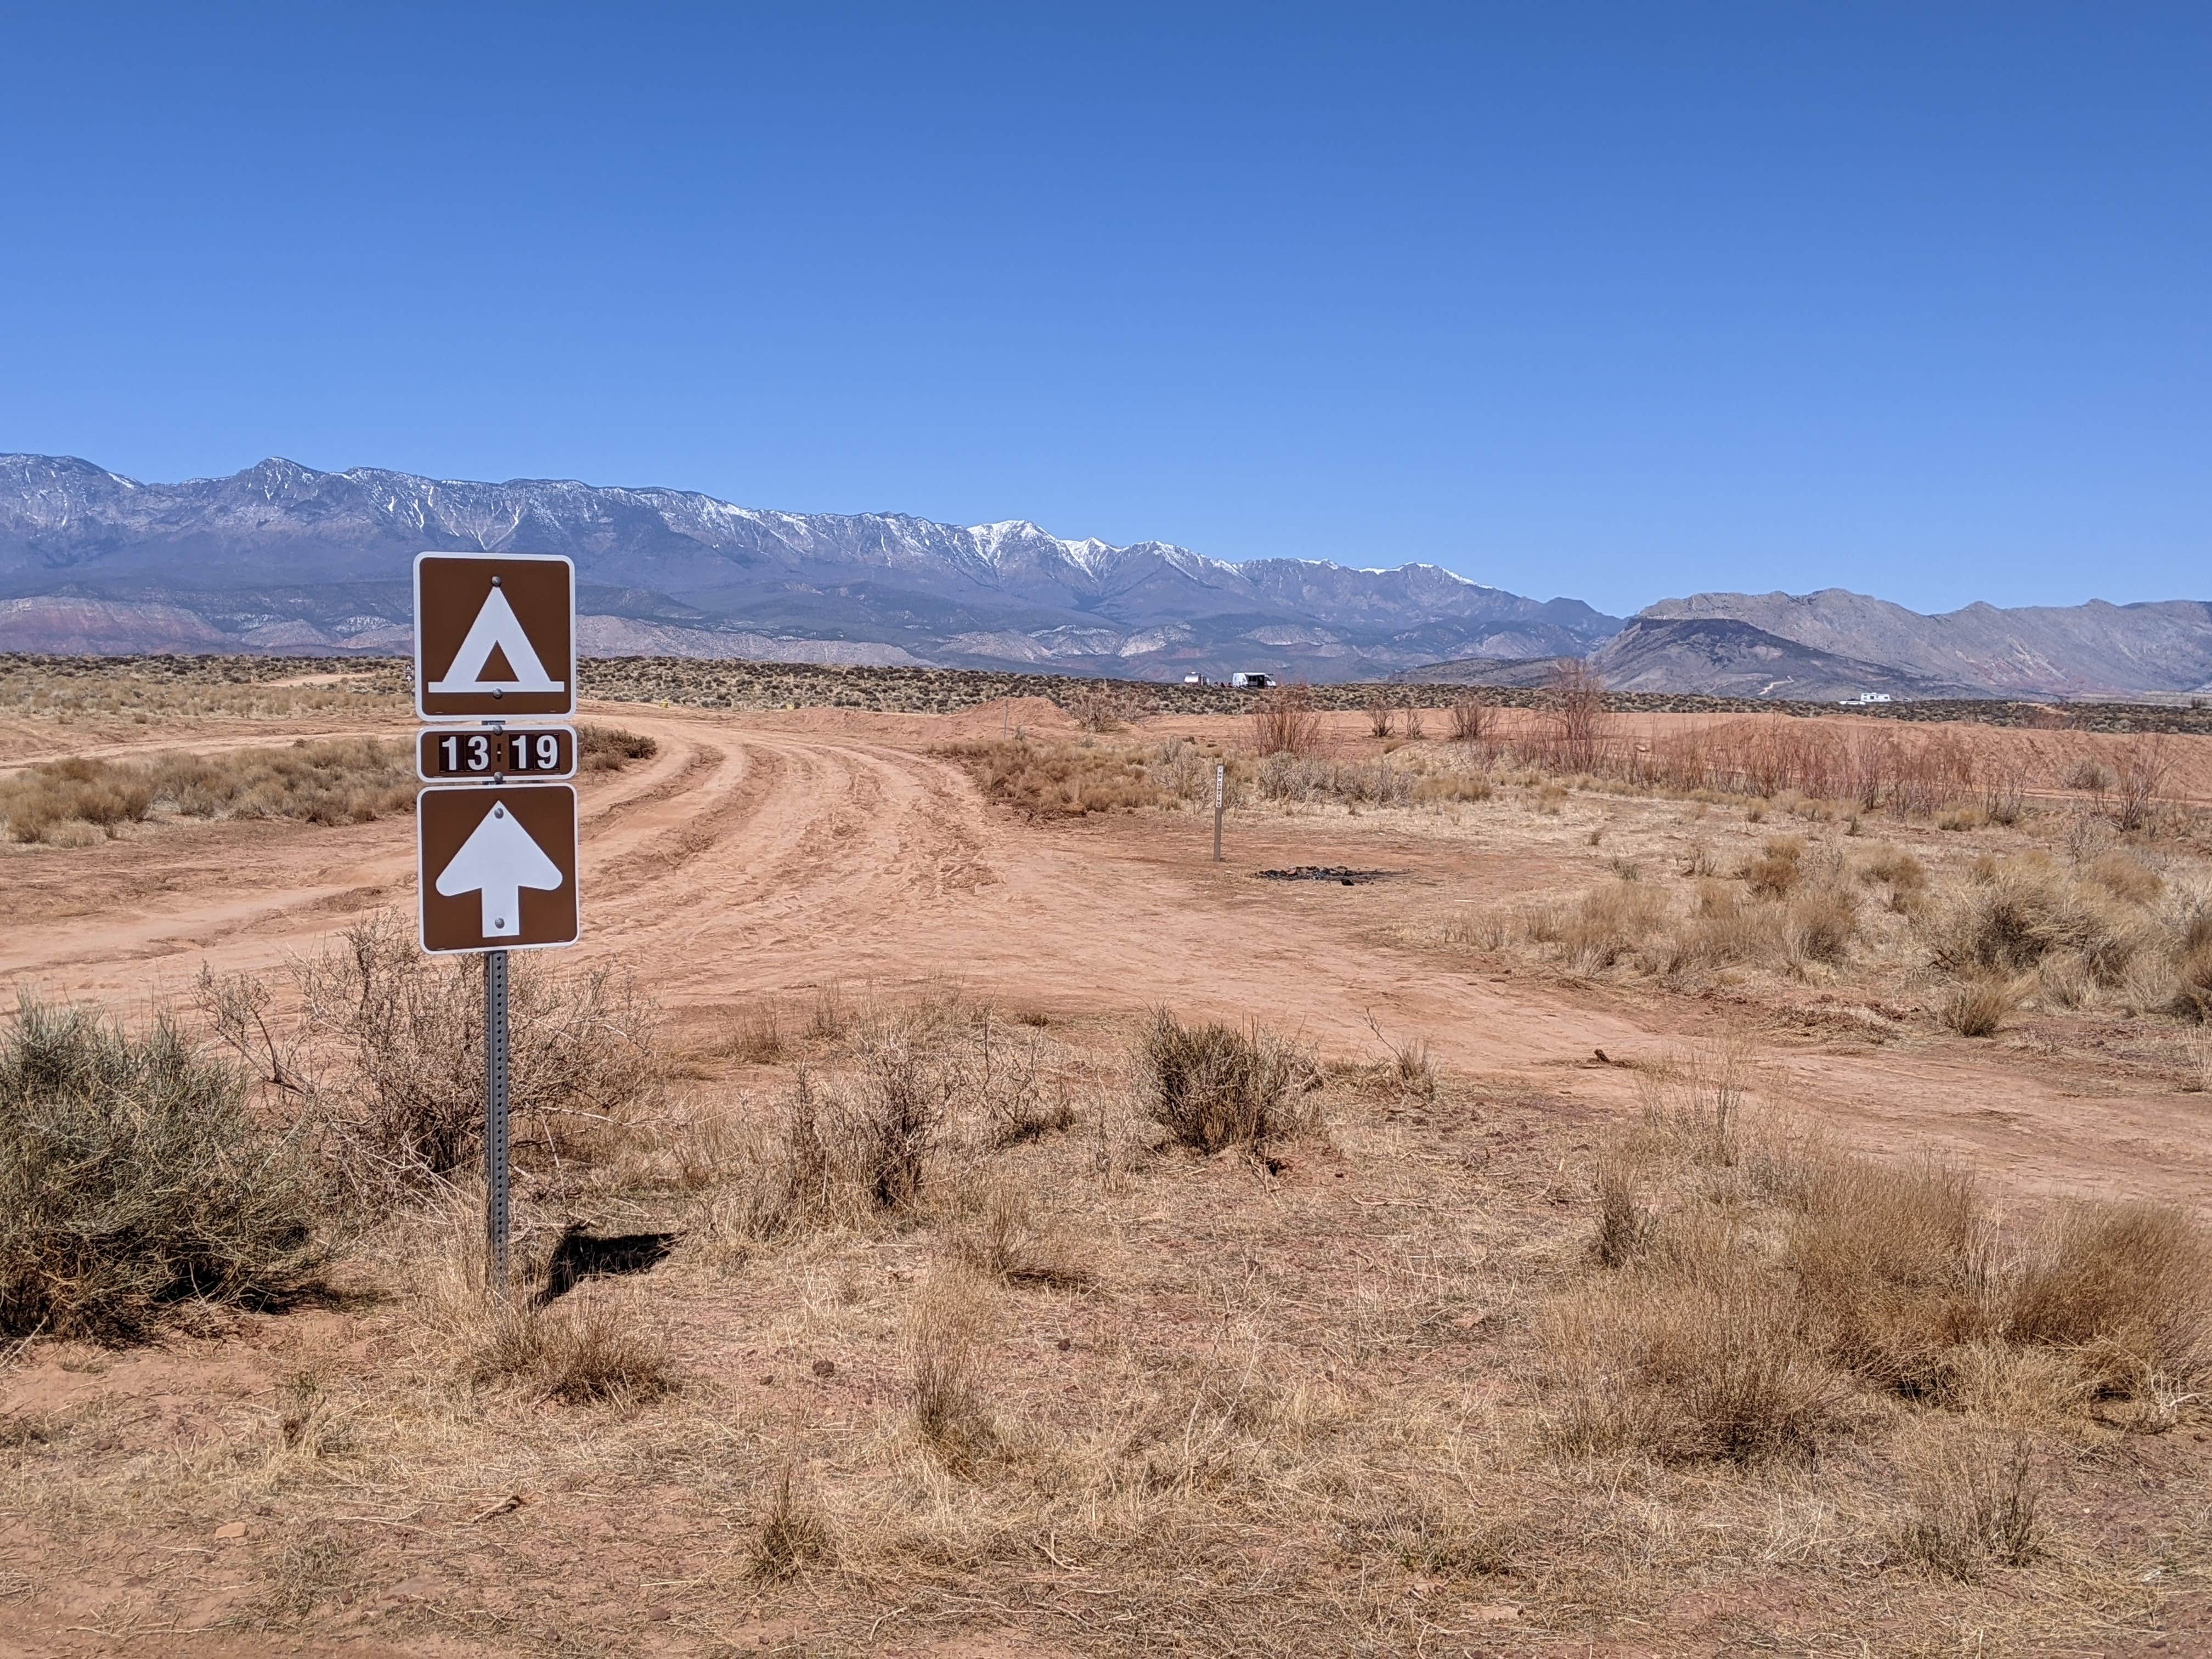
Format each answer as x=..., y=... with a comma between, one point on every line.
x=496, y=1208
x=1220, y=803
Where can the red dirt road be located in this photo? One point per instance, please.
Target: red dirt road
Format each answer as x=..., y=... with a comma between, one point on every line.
x=766, y=852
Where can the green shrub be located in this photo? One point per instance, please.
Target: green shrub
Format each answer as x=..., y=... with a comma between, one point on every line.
x=132, y=1177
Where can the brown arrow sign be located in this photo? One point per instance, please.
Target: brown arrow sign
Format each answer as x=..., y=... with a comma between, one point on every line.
x=497, y=867
x=495, y=635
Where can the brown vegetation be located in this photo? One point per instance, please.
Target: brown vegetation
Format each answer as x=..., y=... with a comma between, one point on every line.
x=377, y=1051
x=1215, y=1086
x=342, y=780
x=1286, y=721
x=1052, y=780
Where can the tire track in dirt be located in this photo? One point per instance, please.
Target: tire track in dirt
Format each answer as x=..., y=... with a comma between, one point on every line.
x=749, y=858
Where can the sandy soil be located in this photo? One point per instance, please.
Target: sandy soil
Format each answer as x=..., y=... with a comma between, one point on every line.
x=769, y=854
x=766, y=852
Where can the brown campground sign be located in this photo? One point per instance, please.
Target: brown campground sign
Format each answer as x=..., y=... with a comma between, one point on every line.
x=495, y=838
x=496, y=866
x=494, y=636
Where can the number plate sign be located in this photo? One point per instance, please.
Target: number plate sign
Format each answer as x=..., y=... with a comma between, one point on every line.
x=494, y=636
x=456, y=754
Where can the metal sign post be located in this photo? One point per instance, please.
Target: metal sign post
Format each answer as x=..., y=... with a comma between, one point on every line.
x=495, y=1149
x=495, y=849
x=1220, y=803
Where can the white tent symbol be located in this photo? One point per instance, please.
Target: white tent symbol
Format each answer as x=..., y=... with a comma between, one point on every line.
x=496, y=629
x=498, y=860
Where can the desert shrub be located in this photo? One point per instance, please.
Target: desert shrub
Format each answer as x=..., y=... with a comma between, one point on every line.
x=802, y=1176
x=891, y=1122
x=2144, y=765
x=1287, y=722
x=1607, y=924
x=41, y=798
x=1576, y=731
x=2091, y=775
x=1469, y=714
x=1378, y=715
x=1217, y=1086
x=1819, y=926
x=1050, y=780
x=1185, y=771
x=1287, y=777
x=1013, y=1090
x=387, y=1072
x=1625, y=1222
x=133, y=1177
x=1902, y=871
x=1104, y=705
x=1894, y=1266
x=2126, y=1287
x=1978, y=1005
x=2025, y=910
x=1705, y=1365
x=611, y=748
x=1774, y=872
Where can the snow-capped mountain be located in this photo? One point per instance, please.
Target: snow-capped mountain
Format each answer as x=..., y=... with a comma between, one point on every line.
x=280, y=557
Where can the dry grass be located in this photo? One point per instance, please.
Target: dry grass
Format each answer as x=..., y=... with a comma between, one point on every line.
x=1000, y=1230
x=587, y=1349
x=1605, y=926
x=611, y=748
x=946, y=1333
x=1978, y=1006
x=1976, y=1505
x=1338, y=1409
x=1054, y=780
x=1893, y=1263
x=2126, y=1291
x=793, y=1533
x=341, y=780
x=1734, y=1247
x=1707, y=1362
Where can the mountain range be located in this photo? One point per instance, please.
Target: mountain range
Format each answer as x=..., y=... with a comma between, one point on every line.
x=281, y=558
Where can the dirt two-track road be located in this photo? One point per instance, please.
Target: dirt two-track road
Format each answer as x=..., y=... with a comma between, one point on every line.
x=771, y=854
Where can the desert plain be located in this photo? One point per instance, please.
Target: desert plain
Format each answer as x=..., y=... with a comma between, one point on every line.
x=1576, y=1178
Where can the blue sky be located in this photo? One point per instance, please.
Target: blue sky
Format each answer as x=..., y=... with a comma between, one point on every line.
x=1617, y=302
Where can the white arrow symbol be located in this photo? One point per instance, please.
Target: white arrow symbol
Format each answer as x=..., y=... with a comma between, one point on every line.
x=499, y=859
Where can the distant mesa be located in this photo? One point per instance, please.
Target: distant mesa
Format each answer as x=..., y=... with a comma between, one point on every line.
x=281, y=558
